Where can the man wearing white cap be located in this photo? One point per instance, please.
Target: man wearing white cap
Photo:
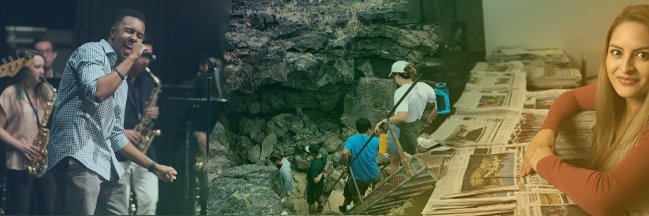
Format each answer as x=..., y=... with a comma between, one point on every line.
x=406, y=118
x=315, y=179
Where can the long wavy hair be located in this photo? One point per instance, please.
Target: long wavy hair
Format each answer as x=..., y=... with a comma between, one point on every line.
x=608, y=148
x=42, y=91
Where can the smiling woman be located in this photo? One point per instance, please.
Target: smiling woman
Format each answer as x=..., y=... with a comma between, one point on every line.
x=617, y=166
x=627, y=62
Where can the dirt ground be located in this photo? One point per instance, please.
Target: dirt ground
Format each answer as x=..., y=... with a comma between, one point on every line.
x=299, y=195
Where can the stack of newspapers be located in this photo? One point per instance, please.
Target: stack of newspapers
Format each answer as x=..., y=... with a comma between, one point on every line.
x=485, y=181
x=476, y=101
x=549, y=57
x=548, y=201
x=495, y=80
x=482, y=181
x=574, y=140
x=470, y=130
x=553, y=77
x=493, y=89
x=545, y=68
x=500, y=67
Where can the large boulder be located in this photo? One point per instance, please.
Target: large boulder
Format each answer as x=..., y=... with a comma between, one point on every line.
x=253, y=129
x=220, y=156
x=245, y=190
x=372, y=99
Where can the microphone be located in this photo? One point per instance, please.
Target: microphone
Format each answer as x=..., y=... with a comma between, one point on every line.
x=211, y=63
x=147, y=54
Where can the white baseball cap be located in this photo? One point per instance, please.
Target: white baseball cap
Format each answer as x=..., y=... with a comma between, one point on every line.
x=398, y=67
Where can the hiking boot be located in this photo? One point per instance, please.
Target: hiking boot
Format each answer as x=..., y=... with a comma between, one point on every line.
x=342, y=208
x=319, y=209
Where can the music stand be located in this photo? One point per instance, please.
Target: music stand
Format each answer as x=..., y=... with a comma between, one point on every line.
x=174, y=91
x=188, y=114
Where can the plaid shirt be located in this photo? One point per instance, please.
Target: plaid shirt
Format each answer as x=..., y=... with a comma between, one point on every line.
x=81, y=128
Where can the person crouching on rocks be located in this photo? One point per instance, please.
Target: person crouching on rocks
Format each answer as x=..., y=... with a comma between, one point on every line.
x=285, y=182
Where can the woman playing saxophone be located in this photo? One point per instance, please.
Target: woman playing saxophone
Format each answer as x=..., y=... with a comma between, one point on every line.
x=23, y=105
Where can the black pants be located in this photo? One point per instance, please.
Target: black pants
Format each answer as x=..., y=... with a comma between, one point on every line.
x=19, y=191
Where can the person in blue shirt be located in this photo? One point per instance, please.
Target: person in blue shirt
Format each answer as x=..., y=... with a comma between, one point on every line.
x=364, y=169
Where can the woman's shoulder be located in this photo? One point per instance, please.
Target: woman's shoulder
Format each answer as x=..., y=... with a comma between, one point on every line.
x=10, y=90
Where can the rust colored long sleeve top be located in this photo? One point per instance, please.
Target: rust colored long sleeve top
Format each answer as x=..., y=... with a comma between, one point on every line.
x=598, y=193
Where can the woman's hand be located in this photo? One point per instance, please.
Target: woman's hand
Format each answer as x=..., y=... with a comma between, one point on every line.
x=539, y=154
x=29, y=151
x=543, y=139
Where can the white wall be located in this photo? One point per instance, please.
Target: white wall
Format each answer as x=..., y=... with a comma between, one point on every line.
x=573, y=25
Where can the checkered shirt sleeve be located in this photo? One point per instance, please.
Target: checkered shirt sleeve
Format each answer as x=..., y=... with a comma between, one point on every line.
x=86, y=130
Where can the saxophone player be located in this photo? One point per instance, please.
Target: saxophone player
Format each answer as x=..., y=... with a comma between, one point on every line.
x=143, y=182
x=22, y=106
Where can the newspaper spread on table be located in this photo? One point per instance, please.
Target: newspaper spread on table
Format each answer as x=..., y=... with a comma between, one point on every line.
x=475, y=101
x=493, y=80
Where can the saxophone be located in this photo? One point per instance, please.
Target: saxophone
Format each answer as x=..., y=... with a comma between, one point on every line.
x=145, y=127
x=38, y=166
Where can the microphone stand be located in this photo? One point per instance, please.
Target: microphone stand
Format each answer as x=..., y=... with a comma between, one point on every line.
x=203, y=200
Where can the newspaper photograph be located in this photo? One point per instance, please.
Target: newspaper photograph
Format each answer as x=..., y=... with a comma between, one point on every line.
x=489, y=171
x=482, y=179
x=491, y=80
x=541, y=100
x=463, y=130
x=498, y=67
x=480, y=101
x=492, y=170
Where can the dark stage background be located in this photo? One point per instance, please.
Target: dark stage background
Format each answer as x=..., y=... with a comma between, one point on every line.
x=181, y=30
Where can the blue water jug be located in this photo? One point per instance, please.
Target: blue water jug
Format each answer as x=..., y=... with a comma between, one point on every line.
x=443, y=104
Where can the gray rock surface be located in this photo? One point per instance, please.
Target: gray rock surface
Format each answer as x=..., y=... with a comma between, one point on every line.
x=245, y=190
x=372, y=99
x=302, y=74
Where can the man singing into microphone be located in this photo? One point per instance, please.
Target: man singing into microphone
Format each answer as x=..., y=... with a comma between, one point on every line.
x=88, y=120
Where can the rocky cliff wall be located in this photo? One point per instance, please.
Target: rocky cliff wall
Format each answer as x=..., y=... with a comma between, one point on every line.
x=324, y=63
x=301, y=73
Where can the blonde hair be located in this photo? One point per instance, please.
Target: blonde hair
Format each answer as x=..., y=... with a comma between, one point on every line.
x=608, y=148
